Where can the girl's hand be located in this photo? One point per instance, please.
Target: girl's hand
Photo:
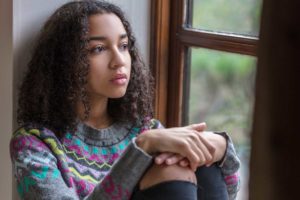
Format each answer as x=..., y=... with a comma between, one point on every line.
x=185, y=141
x=168, y=158
x=219, y=142
x=172, y=158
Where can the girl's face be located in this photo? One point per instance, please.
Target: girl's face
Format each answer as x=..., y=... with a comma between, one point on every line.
x=109, y=58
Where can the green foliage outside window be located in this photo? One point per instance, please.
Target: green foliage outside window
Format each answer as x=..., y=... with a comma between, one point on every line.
x=222, y=83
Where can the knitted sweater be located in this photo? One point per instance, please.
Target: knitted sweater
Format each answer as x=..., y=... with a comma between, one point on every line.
x=89, y=163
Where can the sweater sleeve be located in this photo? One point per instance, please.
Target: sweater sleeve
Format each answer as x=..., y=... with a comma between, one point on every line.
x=39, y=175
x=230, y=165
x=36, y=171
x=124, y=175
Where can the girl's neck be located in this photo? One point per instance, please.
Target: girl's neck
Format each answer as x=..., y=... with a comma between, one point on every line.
x=98, y=116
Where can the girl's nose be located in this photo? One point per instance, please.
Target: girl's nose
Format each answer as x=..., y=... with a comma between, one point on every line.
x=118, y=59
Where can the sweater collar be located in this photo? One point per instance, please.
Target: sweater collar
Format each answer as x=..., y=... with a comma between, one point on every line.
x=106, y=136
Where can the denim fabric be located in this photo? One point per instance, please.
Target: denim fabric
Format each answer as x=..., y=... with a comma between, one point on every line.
x=211, y=186
x=169, y=190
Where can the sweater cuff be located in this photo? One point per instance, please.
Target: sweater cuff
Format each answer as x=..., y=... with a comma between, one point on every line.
x=230, y=163
x=140, y=149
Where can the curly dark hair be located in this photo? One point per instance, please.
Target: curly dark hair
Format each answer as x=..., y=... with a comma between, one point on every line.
x=57, y=72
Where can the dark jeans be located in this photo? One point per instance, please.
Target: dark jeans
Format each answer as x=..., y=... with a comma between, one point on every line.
x=211, y=186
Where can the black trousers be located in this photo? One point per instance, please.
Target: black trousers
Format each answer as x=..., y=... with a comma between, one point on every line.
x=211, y=186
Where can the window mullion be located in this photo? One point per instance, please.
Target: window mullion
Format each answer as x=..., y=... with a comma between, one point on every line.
x=218, y=41
x=176, y=65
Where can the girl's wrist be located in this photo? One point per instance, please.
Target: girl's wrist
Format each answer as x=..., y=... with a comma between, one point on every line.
x=221, y=146
x=143, y=142
x=219, y=142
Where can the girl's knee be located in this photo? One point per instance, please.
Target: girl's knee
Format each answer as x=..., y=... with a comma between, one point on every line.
x=161, y=173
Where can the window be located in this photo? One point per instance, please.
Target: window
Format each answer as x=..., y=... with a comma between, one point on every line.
x=204, y=61
x=233, y=16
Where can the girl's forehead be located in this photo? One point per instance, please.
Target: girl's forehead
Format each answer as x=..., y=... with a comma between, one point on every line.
x=107, y=24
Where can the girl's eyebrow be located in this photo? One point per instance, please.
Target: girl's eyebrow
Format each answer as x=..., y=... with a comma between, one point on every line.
x=102, y=38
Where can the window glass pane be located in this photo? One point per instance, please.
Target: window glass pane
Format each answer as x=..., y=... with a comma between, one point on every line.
x=221, y=94
x=234, y=16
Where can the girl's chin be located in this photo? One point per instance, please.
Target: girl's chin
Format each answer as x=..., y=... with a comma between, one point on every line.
x=117, y=95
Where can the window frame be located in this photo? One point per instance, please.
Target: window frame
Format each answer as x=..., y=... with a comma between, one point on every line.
x=171, y=37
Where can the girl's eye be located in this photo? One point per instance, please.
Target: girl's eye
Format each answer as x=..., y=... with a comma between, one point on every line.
x=97, y=49
x=124, y=47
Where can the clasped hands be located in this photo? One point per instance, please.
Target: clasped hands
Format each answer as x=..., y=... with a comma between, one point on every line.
x=188, y=146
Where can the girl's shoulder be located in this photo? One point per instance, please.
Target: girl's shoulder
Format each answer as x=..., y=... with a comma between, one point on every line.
x=30, y=136
x=33, y=139
x=35, y=131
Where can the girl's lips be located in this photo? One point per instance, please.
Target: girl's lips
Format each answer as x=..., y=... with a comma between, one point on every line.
x=119, y=79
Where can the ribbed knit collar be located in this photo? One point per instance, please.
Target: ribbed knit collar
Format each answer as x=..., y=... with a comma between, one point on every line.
x=103, y=137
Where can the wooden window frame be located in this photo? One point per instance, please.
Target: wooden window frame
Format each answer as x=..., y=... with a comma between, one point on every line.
x=171, y=37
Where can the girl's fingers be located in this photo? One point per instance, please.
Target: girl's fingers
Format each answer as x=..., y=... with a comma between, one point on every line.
x=168, y=158
x=184, y=163
x=198, y=127
x=201, y=149
x=206, y=148
x=161, y=158
x=200, y=153
x=193, y=154
x=184, y=142
x=174, y=159
x=211, y=149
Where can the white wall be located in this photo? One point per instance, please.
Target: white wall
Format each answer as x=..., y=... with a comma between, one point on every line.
x=6, y=89
x=20, y=21
x=138, y=13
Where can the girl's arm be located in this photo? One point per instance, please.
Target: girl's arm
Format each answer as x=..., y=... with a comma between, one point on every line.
x=224, y=155
x=185, y=141
x=41, y=170
x=36, y=170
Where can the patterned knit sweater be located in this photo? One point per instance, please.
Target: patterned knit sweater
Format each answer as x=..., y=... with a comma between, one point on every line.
x=89, y=163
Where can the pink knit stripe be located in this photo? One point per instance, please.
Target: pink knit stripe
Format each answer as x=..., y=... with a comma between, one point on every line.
x=232, y=179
